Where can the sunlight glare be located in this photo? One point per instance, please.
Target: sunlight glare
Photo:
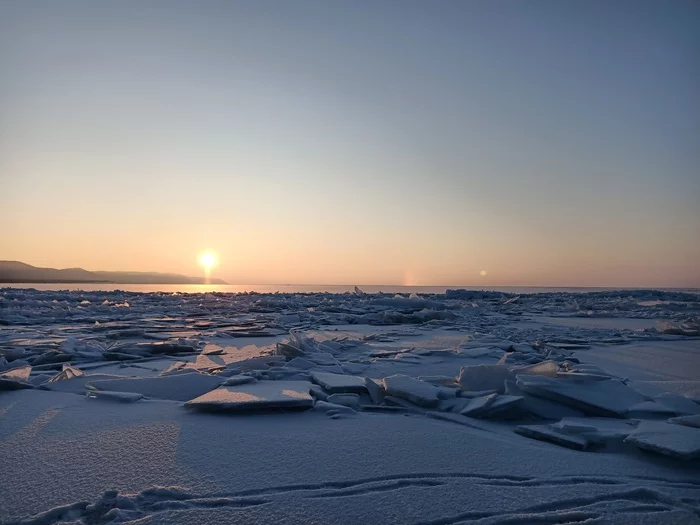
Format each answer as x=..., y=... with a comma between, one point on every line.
x=207, y=260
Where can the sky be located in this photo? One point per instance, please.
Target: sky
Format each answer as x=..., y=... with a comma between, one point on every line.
x=476, y=142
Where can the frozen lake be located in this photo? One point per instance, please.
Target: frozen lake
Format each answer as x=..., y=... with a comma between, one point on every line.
x=303, y=288
x=470, y=406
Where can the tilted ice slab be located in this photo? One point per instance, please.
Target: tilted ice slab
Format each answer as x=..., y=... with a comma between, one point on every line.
x=180, y=387
x=16, y=378
x=122, y=397
x=339, y=383
x=688, y=421
x=68, y=372
x=19, y=373
x=650, y=410
x=11, y=384
x=77, y=384
x=478, y=405
x=545, y=368
x=540, y=407
x=348, y=400
x=263, y=395
x=665, y=438
x=546, y=433
x=597, y=398
x=596, y=429
x=414, y=390
x=682, y=405
x=375, y=390
x=485, y=377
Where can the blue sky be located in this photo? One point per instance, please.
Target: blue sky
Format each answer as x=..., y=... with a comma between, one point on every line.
x=540, y=142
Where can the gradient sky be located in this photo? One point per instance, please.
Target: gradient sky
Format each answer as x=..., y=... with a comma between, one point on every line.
x=370, y=142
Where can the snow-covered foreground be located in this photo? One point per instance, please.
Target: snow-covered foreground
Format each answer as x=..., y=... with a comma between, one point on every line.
x=458, y=408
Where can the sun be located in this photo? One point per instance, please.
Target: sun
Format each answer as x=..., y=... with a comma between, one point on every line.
x=207, y=260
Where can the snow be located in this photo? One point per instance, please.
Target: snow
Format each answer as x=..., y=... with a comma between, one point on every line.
x=401, y=411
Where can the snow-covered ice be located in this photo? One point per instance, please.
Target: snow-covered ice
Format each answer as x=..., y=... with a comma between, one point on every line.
x=117, y=407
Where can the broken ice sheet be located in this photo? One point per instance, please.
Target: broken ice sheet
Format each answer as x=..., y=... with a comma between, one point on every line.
x=677, y=441
x=17, y=374
x=339, y=383
x=122, y=397
x=413, y=390
x=260, y=396
x=180, y=387
x=546, y=433
x=485, y=377
x=608, y=398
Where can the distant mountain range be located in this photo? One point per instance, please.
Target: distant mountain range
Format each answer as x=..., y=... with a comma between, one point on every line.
x=19, y=272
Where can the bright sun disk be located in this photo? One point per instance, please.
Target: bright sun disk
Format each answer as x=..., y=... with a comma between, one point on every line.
x=208, y=260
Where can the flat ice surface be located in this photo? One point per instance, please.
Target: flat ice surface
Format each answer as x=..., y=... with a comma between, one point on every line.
x=68, y=458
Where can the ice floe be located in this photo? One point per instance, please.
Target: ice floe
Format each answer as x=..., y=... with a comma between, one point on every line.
x=181, y=387
x=263, y=395
x=678, y=441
